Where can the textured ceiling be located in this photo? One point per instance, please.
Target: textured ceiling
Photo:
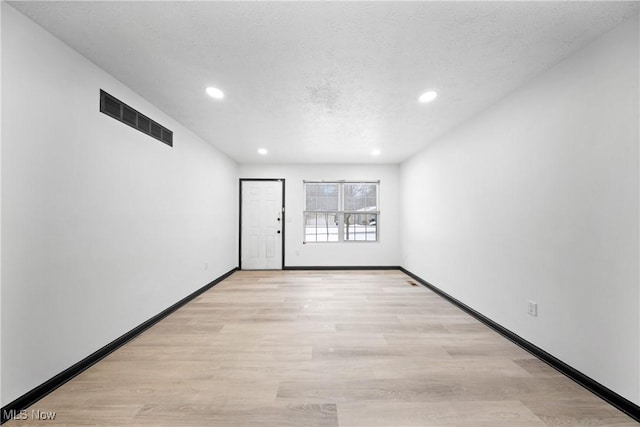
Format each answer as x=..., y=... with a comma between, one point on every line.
x=325, y=82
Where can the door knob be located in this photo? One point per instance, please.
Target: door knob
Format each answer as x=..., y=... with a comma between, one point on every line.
x=278, y=231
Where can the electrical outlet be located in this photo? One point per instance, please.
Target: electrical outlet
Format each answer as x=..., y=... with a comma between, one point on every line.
x=532, y=308
x=206, y=266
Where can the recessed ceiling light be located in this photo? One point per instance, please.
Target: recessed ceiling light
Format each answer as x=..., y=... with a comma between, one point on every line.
x=428, y=97
x=214, y=92
x=376, y=152
x=263, y=151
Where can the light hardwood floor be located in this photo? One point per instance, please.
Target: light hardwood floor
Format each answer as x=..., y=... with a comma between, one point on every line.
x=307, y=348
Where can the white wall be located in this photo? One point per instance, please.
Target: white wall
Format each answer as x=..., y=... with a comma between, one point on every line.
x=537, y=199
x=102, y=226
x=386, y=252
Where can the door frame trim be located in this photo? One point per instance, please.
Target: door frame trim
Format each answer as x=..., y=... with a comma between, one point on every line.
x=281, y=180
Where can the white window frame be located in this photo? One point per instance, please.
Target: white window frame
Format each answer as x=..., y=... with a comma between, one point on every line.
x=340, y=212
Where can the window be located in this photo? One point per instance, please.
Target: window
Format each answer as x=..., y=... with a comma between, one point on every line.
x=341, y=211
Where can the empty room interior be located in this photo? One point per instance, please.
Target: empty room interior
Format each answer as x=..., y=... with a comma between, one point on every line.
x=320, y=213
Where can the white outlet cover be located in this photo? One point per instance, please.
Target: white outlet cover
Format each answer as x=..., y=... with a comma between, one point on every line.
x=532, y=308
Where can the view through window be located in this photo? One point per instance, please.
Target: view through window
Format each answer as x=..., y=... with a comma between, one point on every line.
x=341, y=211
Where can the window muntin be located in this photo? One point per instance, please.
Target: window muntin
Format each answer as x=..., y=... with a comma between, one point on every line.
x=341, y=211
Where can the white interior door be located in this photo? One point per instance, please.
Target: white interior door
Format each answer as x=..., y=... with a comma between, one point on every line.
x=261, y=225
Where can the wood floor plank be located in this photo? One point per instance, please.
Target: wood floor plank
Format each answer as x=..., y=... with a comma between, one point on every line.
x=578, y=412
x=439, y=414
x=455, y=367
x=294, y=415
x=322, y=348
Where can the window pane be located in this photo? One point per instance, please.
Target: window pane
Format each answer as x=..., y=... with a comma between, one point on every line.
x=322, y=197
x=321, y=227
x=360, y=197
x=361, y=227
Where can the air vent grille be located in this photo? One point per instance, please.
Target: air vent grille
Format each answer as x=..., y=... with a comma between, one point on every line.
x=143, y=124
x=156, y=130
x=122, y=112
x=112, y=107
x=167, y=136
x=129, y=116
